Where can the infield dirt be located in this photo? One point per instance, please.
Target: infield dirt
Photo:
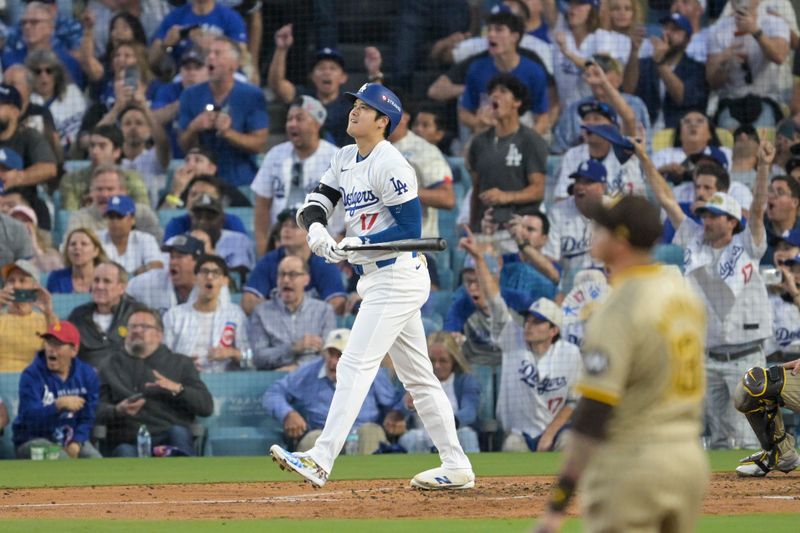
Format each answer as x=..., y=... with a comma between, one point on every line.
x=498, y=497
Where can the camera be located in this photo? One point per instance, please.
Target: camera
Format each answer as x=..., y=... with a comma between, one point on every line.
x=25, y=295
x=772, y=276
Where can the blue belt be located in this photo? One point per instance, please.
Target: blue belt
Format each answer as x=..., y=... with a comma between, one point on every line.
x=359, y=269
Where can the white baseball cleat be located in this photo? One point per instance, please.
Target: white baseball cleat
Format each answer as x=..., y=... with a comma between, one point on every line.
x=756, y=465
x=299, y=463
x=444, y=479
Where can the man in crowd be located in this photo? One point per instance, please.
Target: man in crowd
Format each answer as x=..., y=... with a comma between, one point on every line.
x=57, y=398
x=235, y=248
x=742, y=48
x=148, y=384
x=327, y=76
x=38, y=158
x=38, y=27
x=288, y=330
x=292, y=169
x=212, y=332
x=167, y=100
x=301, y=400
x=165, y=288
x=504, y=34
x=435, y=179
x=20, y=323
x=102, y=321
x=508, y=161
x=226, y=116
x=105, y=148
x=145, y=147
x=538, y=369
x=623, y=173
x=570, y=237
x=567, y=132
x=721, y=263
x=670, y=66
x=325, y=280
x=198, y=174
x=135, y=250
x=107, y=182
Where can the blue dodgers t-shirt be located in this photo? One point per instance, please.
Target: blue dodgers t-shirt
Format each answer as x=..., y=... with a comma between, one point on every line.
x=248, y=110
x=528, y=71
x=221, y=20
x=326, y=280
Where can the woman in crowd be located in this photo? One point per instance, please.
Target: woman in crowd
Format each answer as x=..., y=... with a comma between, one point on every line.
x=82, y=253
x=123, y=28
x=46, y=258
x=61, y=96
x=463, y=390
x=695, y=135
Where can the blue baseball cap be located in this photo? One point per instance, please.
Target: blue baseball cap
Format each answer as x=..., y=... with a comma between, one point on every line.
x=679, y=20
x=623, y=148
x=329, y=53
x=792, y=238
x=592, y=170
x=596, y=106
x=10, y=159
x=122, y=205
x=379, y=97
x=10, y=95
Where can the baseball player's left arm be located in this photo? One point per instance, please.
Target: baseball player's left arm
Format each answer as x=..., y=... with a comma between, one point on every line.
x=766, y=155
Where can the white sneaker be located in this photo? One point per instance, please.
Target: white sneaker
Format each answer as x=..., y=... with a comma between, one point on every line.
x=444, y=479
x=301, y=464
x=750, y=467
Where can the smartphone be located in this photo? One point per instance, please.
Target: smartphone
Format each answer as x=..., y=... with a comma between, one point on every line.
x=25, y=295
x=502, y=214
x=212, y=107
x=185, y=31
x=132, y=77
x=134, y=397
x=772, y=276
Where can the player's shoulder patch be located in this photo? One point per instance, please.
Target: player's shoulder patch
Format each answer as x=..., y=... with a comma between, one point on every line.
x=595, y=363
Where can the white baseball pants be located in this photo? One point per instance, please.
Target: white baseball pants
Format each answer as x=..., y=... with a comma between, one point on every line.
x=389, y=321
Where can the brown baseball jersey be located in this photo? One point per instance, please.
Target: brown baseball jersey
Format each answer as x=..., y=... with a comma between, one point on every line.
x=643, y=354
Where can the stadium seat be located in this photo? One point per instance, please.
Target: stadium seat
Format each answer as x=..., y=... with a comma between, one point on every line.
x=9, y=393
x=165, y=215
x=63, y=304
x=73, y=165
x=246, y=214
x=60, y=226
x=239, y=424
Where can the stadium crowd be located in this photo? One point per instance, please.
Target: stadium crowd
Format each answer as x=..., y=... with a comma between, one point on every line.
x=153, y=155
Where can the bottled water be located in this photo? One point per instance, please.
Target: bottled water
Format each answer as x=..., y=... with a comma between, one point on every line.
x=351, y=444
x=143, y=443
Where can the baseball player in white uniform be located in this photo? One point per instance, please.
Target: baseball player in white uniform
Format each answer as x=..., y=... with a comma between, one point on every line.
x=378, y=190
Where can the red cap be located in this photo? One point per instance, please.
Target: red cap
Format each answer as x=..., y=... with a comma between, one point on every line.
x=65, y=332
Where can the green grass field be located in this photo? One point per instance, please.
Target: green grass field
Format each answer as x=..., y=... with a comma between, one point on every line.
x=28, y=474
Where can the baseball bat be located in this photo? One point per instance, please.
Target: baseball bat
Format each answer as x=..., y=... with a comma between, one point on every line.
x=406, y=245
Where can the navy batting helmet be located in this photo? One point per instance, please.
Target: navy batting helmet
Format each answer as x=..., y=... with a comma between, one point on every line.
x=382, y=99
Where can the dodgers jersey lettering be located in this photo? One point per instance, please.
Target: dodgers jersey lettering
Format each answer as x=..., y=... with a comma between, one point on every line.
x=368, y=188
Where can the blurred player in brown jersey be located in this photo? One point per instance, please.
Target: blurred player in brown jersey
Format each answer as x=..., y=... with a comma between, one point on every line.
x=635, y=451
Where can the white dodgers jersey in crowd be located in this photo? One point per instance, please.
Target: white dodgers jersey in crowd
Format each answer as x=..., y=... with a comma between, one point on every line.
x=368, y=188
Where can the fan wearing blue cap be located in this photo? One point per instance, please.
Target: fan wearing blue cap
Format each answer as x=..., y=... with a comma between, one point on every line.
x=604, y=142
x=135, y=250
x=378, y=191
x=327, y=77
x=670, y=81
x=570, y=235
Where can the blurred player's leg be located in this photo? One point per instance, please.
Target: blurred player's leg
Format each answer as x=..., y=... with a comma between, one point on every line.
x=413, y=366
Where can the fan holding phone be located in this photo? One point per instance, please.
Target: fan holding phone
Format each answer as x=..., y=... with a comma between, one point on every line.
x=27, y=312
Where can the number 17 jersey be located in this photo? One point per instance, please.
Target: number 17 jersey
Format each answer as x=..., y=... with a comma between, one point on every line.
x=368, y=188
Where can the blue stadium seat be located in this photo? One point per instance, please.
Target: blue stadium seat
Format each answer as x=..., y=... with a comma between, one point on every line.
x=165, y=215
x=239, y=424
x=9, y=393
x=246, y=214
x=60, y=226
x=63, y=304
x=75, y=164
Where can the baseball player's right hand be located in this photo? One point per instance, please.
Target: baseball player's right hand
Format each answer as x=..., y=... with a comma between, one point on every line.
x=294, y=425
